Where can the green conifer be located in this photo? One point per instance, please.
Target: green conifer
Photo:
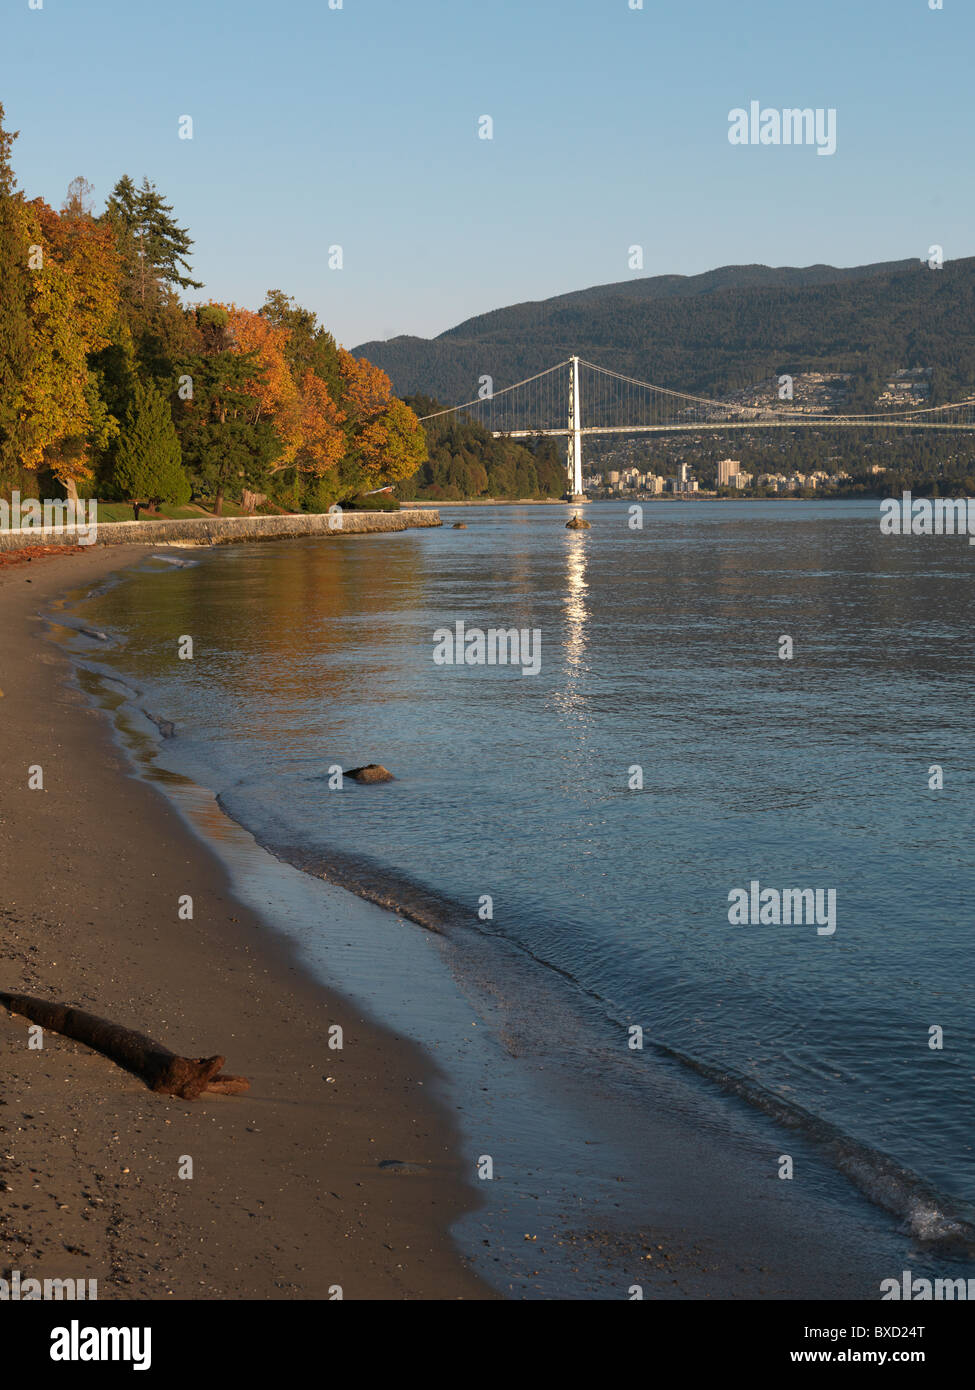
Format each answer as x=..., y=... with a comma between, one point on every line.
x=148, y=461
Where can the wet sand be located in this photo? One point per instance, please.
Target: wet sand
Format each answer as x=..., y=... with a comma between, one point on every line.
x=297, y=1188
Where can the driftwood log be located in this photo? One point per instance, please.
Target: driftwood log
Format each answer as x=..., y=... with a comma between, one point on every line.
x=162, y=1071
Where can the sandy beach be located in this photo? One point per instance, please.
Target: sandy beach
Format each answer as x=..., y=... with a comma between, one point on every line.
x=296, y=1190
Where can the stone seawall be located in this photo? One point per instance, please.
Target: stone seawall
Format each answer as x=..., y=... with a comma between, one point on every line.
x=224, y=530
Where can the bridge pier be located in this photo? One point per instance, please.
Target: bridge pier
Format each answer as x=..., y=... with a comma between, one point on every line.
x=574, y=492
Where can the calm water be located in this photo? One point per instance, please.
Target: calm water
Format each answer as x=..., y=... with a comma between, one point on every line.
x=659, y=649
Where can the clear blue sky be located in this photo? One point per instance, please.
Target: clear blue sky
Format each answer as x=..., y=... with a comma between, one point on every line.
x=358, y=127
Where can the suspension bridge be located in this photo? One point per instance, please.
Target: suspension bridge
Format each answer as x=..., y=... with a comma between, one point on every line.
x=576, y=398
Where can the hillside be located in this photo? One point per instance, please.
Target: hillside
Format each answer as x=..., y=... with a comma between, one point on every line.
x=717, y=332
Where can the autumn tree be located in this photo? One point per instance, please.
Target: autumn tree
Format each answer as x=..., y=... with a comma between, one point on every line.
x=366, y=389
x=272, y=388
x=322, y=437
x=96, y=347
x=310, y=347
x=339, y=422
x=8, y=181
x=307, y=418
x=384, y=439
x=75, y=278
x=15, y=294
x=392, y=446
x=55, y=405
x=60, y=278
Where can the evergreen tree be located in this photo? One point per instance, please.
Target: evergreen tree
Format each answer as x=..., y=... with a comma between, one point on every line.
x=223, y=446
x=148, y=461
x=152, y=243
x=165, y=244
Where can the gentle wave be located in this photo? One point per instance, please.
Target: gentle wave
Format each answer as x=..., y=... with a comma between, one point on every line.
x=928, y=1215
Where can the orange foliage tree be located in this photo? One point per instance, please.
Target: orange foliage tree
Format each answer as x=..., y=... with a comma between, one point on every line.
x=74, y=297
x=385, y=441
x=274, y=390
x=322, y=436
x=364, y=436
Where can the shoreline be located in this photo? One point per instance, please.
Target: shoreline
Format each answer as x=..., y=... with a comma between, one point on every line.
x=289, y=1196
x=577, y=1213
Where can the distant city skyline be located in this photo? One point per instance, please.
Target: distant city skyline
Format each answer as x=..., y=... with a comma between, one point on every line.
x=360, y=128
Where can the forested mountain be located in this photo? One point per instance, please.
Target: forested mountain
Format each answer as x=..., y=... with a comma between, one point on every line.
x=716, y=333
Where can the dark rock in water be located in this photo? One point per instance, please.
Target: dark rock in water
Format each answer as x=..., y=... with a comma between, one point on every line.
x=372, y=772
x=165, y=726
x=578, y=524
x=460, y=526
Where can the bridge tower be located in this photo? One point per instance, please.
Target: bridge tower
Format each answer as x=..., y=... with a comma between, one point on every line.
x=574, y=461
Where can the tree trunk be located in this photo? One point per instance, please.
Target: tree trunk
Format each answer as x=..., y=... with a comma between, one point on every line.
x=71, y=488
x=163, y=1071
x=218, y=503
